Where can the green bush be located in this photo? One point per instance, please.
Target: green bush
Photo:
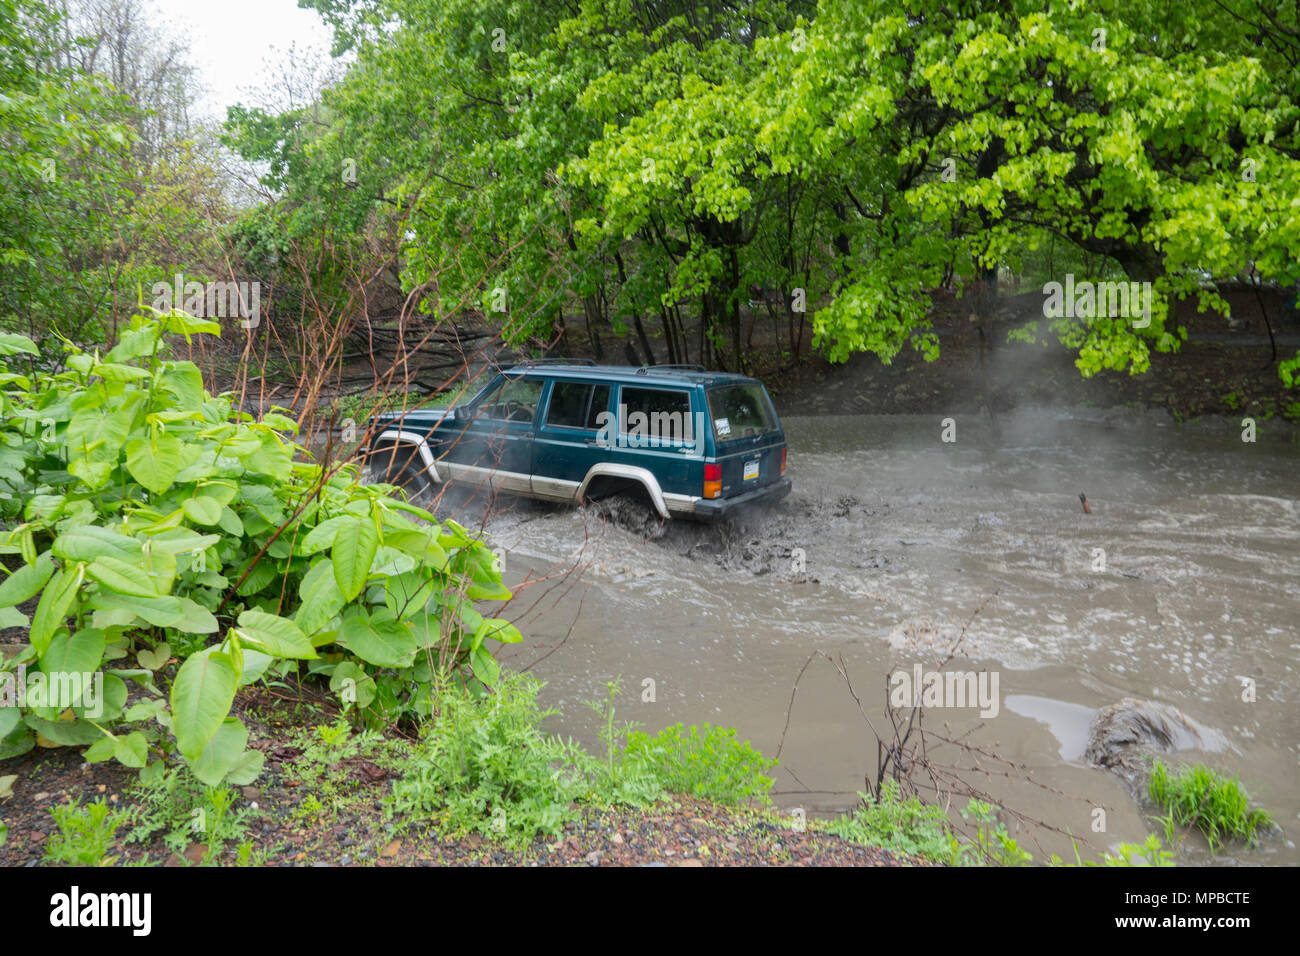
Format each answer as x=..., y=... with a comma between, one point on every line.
x=185, y=811
x=149, y=517
x=485, y=766
x=707, y=762
x=905, y=825
x=1215, y=804
x=85, y=834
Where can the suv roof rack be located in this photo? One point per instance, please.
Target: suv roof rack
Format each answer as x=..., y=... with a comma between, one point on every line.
x=687, y=366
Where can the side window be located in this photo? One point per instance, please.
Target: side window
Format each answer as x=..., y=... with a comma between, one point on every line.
x=599, y=403
x=516, y=401
x=576, y=404
x=656, y=415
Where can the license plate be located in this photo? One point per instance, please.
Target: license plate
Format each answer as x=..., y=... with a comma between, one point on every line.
x=751, y=469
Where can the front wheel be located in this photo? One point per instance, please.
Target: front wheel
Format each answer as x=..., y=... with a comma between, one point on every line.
x=403, y=468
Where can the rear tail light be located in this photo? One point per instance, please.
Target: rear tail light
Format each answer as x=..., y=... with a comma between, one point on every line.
x=783, y=450
x=713, y=481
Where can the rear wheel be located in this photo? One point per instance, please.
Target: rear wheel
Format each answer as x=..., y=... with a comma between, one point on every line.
x=628, y=506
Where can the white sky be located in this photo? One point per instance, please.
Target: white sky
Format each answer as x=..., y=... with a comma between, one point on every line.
x=231, y=42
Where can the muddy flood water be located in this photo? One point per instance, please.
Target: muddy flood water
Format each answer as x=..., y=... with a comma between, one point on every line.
x=890, y=543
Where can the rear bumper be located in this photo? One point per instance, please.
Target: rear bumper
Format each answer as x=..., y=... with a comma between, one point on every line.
x=711, y=509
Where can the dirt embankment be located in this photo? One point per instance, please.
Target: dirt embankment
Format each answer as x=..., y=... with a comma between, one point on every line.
x=1225, y=368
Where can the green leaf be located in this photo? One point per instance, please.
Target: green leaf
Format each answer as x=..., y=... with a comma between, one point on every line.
x=27, y=581
x=378, y=639
x=195, y=618
x=11, y=343
x=485, y=666
x=222, y=752
x=183, y=323
x=201, y=697
x=246, y=769
x=322, y=536
x=353, y=684
x=131, y=750
x=17, y=742
x=65, y=733
x=121, y=577
x=153, y=659
x=202, y=510
x=353, y=554
x=155, y=461
x=321, y=597
x=488, y=592
x=274, y=635
x=101, y=750
x=163, y=611
x=497, y=629
x=53, y=607
x=89, y=542
x=79, y=653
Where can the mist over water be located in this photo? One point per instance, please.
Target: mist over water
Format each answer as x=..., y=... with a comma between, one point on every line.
x=894, y=542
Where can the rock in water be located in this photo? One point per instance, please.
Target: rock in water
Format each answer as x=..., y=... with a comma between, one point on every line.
x=1124, y=734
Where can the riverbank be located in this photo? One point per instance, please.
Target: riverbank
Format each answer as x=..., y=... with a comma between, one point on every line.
x=322, y=801
x=1224, y=369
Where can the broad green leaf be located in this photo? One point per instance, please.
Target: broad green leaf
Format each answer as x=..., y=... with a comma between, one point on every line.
x=353, y=554
x=121, y=577
x=246, y=769
x=131, y=750
x=274, y=635
x=323, y=535
x=79, y=653
x=488, y=592
x=166, y=611
x=89, y=542
x=11, y=343
x=18, y=742
x=353, y=684
x=378, y=639
x=154, y=461
x=27, y=581
x=201, y=697
x=321, y=597
x=64, y=733
x=485, y=666
x=53, y=607
x=202, y=510
x=222, y=752
x=497, y=629
x=152, y=659
x=195, y=618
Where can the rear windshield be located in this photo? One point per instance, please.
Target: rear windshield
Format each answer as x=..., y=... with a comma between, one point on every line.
x=740, y=411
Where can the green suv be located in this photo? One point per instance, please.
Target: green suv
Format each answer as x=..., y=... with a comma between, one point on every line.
x=693, y=443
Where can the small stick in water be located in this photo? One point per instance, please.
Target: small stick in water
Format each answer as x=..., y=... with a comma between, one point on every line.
x=1083, y=500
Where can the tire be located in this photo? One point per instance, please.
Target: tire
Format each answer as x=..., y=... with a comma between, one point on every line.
x=632, y=511
x=404, y=469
